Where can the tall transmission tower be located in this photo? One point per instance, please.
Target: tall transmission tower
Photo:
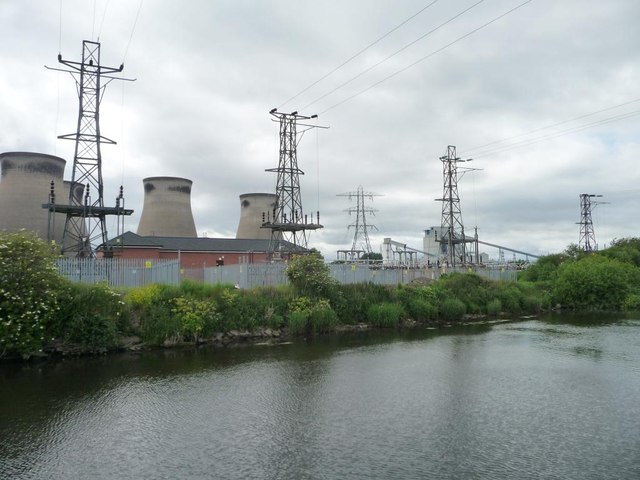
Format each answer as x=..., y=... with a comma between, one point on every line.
x=452, y=227
x=361, y=244
x=85, y=225
x=288, y=222
x=587, y=239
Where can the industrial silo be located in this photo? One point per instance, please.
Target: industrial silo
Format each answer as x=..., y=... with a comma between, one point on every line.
x=253, y=208
x=25, y=184
x=166, y=211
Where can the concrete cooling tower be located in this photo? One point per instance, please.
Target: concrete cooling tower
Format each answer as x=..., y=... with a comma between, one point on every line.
x=252, y=206
x=25, y=183
x=166, y=211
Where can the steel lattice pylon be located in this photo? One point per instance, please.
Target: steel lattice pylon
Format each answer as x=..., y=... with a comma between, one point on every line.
x=451, y=223
x=85, y=225
x=288, y=222
x=361, y=243
x=587, y=239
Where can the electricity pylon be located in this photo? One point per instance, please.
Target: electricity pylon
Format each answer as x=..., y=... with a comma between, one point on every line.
x=85, y=225
x=288, y=222
x=451, y=223
x=361, y=244
x=587, y=241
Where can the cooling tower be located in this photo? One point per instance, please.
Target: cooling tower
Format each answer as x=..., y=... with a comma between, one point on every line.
x=252, y=207
x=25, y=184
x=166, y=211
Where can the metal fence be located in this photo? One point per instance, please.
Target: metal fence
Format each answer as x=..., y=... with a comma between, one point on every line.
x=261, y=275
x=120, y=272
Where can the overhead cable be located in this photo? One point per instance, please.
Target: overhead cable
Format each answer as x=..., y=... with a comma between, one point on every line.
x=133, y=29
x=550, y=136
x=367, y=70
x=471, y=151
x=398, y=72
x=359, y=53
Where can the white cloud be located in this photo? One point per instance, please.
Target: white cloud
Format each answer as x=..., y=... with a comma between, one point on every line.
x=209, y=72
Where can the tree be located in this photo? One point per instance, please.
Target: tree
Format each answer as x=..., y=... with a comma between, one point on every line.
x=29, y=281
x=594, y=282
x=310, y=276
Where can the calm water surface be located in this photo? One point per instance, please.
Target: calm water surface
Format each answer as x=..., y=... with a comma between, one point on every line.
x=556, y=399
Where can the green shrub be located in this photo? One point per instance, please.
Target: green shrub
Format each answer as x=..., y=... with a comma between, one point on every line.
x=532, y=304
x=452, y=309
x=322, y=317
x=90, y=316
x=494, y=307
x=29, y=284
x=243, y=309
x=310, y=276
x=385, y=314
x=201, y=290
x=311, y=316
x=421, y=309
x=632, y=303
x=196, y=317
x=297, y=322
x=274, y=320
x=159, y=324
x=151, y=312
x=545, y=269
x=595, y=282
x=352, y=301
x=473, y=290
x=510, y=297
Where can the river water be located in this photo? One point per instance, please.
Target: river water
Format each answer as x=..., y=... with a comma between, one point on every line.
x=557, y=398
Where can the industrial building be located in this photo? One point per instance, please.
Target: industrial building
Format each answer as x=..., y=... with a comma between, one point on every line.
x=193, y=252
x=25, y=185
x=166, y=229
x=253, y=209
x=166, y=210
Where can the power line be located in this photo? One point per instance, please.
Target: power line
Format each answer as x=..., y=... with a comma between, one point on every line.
x=104, y=14
x=388, y=77
x=561, y=133
x=93, y=24
x=504, y=140
x=133, y=29
x=367, y=70
x=359, y=53
x=60, y=29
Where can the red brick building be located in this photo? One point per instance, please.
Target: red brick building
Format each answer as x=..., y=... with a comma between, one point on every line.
x=196, y=252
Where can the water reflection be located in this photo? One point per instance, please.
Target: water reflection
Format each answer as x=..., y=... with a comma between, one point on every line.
x=533, y=399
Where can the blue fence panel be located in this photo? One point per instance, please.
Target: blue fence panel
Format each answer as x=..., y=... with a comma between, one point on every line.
x=120, y=272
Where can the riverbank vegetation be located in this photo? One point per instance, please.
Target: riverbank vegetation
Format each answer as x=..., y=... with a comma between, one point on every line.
x=42, y=312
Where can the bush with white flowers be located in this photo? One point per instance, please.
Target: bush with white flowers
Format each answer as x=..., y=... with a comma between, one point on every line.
x=28, y=299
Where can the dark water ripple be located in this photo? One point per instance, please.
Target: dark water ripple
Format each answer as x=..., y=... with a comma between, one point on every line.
x=536, y=399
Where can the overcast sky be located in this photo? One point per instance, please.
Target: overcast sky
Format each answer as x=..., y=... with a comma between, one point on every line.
x=208, y=72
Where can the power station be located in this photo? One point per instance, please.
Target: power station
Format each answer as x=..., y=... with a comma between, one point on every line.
x=26, y=180
x=252, y=208
x=72, y=214
x=166, y=211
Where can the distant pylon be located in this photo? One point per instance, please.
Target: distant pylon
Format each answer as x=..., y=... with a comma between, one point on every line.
x=288, y=222
x=85, y=226
x=452, y=227
x=361, y=244
x=587, y=241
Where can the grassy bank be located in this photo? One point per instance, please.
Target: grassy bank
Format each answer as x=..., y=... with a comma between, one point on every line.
x=42, y=312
